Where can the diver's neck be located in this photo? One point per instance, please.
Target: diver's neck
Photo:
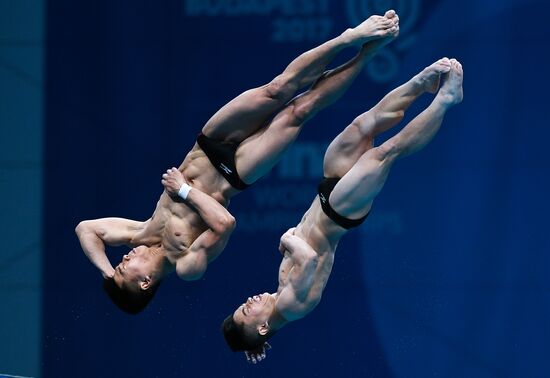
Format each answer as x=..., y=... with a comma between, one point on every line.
x=163, y=265
x=277, y=320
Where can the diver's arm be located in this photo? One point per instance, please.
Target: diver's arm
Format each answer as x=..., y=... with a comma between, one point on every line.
x=96, y=233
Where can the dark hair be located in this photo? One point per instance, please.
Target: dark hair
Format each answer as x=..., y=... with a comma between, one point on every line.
x=238, y=339
x=127, y=300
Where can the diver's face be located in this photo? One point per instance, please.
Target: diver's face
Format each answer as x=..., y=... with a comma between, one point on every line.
x=255, y=311
x=135, y=268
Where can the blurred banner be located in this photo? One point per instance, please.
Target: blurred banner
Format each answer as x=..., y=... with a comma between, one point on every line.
x=446, y=278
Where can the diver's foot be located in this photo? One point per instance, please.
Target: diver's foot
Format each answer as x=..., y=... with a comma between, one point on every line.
x=430, y=76
x=374, y=28
x=451, y=92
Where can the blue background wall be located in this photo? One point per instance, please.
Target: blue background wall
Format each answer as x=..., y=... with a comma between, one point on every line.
x=447, y=278
x=21, y=125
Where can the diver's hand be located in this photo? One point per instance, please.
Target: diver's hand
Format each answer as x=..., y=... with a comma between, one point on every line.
x=172, y=180
x=285, y=236
x=257, y=355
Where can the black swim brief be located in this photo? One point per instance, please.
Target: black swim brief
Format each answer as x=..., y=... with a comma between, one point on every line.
x=324, y=189
x=222, y=156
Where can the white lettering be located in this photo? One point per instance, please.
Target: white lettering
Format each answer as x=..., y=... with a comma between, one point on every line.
x=286, y=196
x=301, y=29
x=266, y=220
x=303, y=160
x=270, y=221
x=225, y=168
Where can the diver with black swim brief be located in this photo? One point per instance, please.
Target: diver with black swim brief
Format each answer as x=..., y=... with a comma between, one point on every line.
x=238, y=145
x=309, y=248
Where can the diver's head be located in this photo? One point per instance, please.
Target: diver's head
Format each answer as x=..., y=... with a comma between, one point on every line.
x=136, y=279
x=248, y=328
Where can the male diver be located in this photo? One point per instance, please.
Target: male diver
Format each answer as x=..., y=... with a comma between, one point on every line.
x=355, y=172
x=190, y=225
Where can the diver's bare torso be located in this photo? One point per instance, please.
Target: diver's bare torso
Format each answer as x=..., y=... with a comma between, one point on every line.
x=322, y=235
x=174, y=225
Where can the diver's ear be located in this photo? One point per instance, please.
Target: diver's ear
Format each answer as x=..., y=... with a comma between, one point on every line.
x=146, y=283
x=263, y=329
